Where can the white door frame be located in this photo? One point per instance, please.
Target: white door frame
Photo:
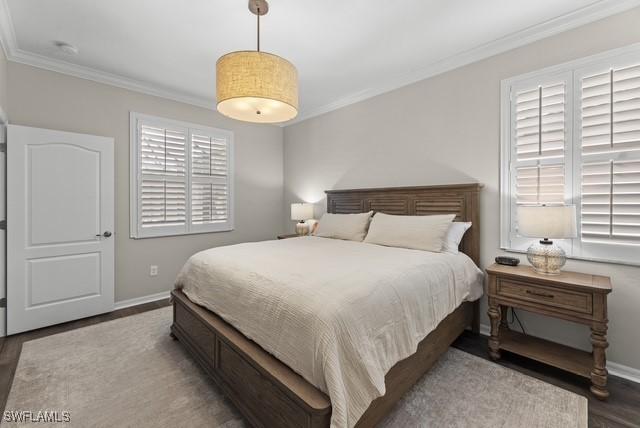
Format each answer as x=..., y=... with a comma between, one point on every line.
x=3, y=217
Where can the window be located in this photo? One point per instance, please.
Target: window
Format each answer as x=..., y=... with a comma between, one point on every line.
x=181, y=178
x=571, y=135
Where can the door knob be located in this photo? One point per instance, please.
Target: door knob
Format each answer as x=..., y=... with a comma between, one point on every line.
x=106, y=234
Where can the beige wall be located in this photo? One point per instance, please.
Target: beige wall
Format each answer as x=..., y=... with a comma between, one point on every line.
x=46, y=99
x=446, y=130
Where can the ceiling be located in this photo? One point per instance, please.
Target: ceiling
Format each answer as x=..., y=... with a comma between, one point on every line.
x=345, y=51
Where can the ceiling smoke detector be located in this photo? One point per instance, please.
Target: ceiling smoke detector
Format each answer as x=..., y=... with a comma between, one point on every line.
x=66, y=48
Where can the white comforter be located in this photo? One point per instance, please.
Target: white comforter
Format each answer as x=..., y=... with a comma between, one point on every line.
x=339, y=313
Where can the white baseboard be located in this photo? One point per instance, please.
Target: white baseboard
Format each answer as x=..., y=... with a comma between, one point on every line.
x=624, y=372
x=485, y=330
x=614, y=369
x=118, y=305
x=141, y=300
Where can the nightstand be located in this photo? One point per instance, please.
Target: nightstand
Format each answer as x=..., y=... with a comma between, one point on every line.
x=289, y=235
x=570, y=296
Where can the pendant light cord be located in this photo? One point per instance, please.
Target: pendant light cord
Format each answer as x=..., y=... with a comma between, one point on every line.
x=258, y=15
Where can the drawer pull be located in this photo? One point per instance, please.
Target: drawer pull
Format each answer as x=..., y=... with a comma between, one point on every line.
x=537, y=293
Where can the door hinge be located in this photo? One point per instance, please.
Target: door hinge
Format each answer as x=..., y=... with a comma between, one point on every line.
x=3, y=147
x=3, y=224
x=3, y=302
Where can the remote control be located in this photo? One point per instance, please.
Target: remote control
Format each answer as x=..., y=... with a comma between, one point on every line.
x=508, y=261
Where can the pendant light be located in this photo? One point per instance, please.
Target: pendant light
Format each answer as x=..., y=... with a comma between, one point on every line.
x=255, y=86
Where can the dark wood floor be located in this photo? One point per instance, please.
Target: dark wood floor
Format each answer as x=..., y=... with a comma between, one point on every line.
x=621, y=410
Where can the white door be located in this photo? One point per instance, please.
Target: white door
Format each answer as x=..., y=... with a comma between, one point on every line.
x=60, y=218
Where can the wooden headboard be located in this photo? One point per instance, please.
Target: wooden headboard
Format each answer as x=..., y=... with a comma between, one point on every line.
x=459, y=199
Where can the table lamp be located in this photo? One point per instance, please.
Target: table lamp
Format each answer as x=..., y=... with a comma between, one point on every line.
x=547, y=222
x=301, y=212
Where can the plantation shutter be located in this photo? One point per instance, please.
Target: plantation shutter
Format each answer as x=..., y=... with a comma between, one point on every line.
x=162, y=190
x=210, y=183
x=539, y=122
x=539, y=135
x=538, y=185
x=570, y=134
x=610, y=150
x=539, y=132
x=181, y=178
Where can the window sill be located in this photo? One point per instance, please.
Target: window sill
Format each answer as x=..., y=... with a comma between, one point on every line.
x=584, y=259
x=170, y=235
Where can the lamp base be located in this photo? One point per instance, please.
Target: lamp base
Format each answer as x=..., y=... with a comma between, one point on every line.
x=302, y=228
x=546, y=257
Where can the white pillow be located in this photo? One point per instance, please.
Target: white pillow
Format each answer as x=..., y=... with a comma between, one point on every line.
x=454, y=236
x=418, y=232
x=352, y=227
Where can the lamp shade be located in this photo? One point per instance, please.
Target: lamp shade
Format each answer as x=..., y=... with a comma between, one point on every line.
x=547, y=221
x=257, y=87
x=301, y=211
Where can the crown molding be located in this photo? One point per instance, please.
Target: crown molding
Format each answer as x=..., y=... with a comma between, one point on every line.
x=64, y=67
x=593, y=12
x=583, y=16
x=7, y=32
x=15, y=54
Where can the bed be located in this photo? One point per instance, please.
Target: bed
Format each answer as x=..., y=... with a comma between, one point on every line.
x=268, y=392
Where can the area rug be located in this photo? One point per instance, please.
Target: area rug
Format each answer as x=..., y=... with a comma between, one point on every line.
x=130, y=373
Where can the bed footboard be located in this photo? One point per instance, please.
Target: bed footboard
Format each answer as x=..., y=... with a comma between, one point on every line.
x=268, y=393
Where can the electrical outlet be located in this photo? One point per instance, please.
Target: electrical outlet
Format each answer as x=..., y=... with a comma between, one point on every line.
x=153, y=270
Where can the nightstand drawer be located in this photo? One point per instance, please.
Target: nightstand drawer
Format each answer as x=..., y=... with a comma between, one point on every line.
x=548, y=296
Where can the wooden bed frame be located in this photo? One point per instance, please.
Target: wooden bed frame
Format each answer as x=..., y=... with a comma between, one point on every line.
x=266, y=391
